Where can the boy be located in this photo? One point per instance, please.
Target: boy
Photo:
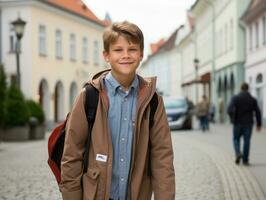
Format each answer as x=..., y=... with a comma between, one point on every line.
x=119, y=154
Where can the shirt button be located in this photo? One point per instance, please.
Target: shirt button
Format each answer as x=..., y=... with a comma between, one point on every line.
x=123, y=139
x=122, y=160
x=125, y=119
x=122, y=179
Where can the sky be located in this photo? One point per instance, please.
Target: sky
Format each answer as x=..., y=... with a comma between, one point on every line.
x=156, y=18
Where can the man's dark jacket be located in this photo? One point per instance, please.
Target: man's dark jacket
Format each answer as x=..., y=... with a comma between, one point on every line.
x=242, y=109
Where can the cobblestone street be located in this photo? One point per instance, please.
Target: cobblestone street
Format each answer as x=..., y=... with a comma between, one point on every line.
x=204, y=171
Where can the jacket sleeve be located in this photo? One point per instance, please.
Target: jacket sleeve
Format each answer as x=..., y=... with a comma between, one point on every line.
x=72, y=159
x=257, y=113
x=163, y=174
x=231, y=110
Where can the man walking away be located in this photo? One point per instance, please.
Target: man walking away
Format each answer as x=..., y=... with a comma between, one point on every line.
x=241, y=111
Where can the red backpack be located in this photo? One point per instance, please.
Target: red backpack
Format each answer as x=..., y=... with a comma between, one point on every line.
x=57, y=138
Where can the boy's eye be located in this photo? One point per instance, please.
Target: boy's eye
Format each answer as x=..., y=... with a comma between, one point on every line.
x=117, y=49
x=133, y=49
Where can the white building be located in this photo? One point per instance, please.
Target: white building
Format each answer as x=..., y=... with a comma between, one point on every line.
x=218, y=40
x=255, y=20
x=165, y=64
x=60, y=50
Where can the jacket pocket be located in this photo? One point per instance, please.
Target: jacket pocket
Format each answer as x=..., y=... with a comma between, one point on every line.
x=90, y=184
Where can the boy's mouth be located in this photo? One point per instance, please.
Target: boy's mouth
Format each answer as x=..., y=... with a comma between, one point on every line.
x=126, y=63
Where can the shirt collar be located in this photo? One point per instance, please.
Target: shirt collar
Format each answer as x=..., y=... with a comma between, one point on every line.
x=115, y=84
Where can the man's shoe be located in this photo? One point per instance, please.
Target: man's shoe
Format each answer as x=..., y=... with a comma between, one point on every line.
x=246, y=163
x=238, y=158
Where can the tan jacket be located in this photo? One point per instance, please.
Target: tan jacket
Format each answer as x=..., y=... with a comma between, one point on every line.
x=97, y=180
x=202, y=108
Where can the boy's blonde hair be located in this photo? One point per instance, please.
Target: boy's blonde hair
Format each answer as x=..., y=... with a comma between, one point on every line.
x=125, y=29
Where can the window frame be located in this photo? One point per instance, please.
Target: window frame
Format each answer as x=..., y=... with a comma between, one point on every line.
x=58, y=44
x=42, y=40
x=72, y=47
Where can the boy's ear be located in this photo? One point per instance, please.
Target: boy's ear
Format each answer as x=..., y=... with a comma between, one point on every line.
x=141, y=56
x=106, y=56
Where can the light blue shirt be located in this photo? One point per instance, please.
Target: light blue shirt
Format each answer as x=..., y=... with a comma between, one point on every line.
x=121, y=118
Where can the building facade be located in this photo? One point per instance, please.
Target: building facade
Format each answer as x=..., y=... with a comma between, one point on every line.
x=165, y=64
x=255, y=24
x=218, y=39
x=60, y=50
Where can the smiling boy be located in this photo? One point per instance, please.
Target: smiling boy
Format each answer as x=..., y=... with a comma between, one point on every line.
x=121, y=135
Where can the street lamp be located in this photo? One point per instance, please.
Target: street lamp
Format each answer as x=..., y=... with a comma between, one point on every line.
x=19, y=25
x=196, y=65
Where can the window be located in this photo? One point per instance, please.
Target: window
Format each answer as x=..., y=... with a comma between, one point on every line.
x=264, y=29
x=225, y=38
x=85, y=53
x=12, y=39
x=257, y=34
x=250, y=82
x=72, y=47
x=58, y=43
x=259, y=79
x=217, y=42
x=231, y=34
x=96, y=58
x=259, y=90
x=12, y=44
x=250, y=37
x=221, y=41
x=42, y=40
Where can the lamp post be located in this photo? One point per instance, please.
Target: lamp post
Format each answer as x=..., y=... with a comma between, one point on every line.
x=196, y=65
x=19, y=25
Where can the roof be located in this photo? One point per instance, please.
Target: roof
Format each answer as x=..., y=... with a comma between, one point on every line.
x=166, y=45
x=255, y=8
x=77, y=7
x=155, y=46
x=170, y=43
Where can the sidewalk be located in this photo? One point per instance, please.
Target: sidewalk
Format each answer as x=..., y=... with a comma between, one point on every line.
x=221, y=136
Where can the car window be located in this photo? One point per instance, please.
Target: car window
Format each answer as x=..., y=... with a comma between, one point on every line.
x=174, y=103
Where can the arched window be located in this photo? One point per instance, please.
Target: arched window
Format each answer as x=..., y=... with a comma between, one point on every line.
x=220, y=87
x=259, y=91
x=59, y=103
x=73, y=93
x=232, y=84
x=259, y=79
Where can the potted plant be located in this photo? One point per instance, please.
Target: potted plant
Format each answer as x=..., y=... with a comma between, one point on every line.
x=17, y=116
x=36, y=121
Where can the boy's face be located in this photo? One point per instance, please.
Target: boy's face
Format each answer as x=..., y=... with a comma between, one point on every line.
x=124, y=57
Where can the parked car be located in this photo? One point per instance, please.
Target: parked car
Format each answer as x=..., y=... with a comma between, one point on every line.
x=179, y=113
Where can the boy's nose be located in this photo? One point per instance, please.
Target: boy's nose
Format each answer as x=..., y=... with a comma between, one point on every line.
x=126, y=54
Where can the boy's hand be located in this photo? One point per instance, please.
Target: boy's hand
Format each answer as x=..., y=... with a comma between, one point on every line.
x=258, y=128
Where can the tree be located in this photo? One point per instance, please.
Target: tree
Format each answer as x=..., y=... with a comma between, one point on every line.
x=17, y=110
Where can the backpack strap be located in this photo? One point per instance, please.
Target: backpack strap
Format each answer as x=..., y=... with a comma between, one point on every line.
x=153, y=108
x=91, y=102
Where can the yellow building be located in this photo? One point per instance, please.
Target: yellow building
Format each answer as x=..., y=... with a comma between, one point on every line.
x=60, y=50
